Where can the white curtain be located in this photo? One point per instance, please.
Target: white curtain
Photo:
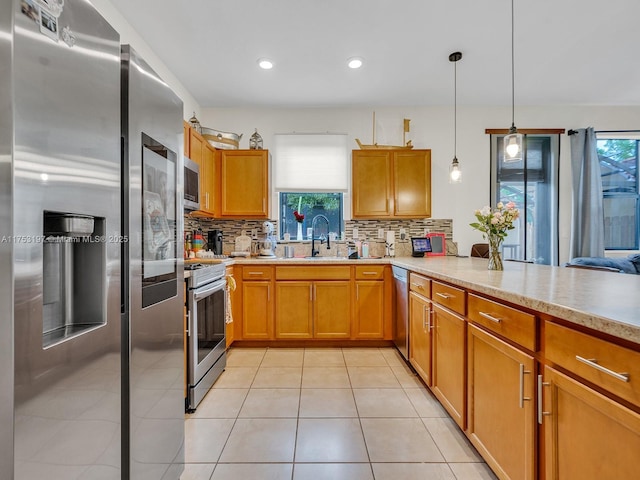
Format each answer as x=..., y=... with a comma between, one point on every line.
x=587, y=222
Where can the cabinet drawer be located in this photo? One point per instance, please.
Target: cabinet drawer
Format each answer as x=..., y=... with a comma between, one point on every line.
x=370, y=272
x=448, y=296
x=420, y=284
x=506, y=321
x=333, y=272
x=257, y=272
x=610, y=366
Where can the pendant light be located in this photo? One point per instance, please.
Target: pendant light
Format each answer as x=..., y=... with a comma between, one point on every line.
x=514, y=140
x=455, y=174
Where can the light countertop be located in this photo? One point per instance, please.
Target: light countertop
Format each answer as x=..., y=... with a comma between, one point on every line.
x=603, y=301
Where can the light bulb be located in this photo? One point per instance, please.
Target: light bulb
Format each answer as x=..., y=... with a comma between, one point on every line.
x=513, y=147
x=455, y=174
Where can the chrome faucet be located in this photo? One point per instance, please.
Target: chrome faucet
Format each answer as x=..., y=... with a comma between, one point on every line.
x=322, y=238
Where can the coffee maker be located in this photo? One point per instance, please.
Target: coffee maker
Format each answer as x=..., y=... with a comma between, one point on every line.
x=214, y=241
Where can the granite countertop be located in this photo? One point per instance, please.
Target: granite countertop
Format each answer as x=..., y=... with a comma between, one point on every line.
x=603, y=301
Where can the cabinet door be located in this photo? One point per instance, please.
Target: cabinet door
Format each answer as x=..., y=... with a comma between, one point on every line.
x=196, y=144
x=332, y=309
x=369, y=316
x=235, y=303
x=187, y=133
x=294, y=313
x=257, y=316
x=420, y=335
x=208, y=180
x=371, y=180
x=244, y=183
x=501, y=420
x=412, y=183
x=449, y=348
x=587, y=435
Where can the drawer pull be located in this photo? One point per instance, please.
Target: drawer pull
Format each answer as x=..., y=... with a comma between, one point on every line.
x=369, y=273
x=490, y=317
x=446, y=296
x=592, y=362
x=255, y=273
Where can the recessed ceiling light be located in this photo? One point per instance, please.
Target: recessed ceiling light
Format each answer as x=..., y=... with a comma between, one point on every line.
x=354, y=62
x=265, y=63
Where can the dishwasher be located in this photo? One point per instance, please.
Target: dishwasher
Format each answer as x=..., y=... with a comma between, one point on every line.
x=401, y=311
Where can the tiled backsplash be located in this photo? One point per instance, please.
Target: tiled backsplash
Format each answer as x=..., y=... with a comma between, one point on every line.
x=367, y=229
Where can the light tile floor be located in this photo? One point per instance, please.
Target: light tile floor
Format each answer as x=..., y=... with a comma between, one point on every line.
x=324, y=414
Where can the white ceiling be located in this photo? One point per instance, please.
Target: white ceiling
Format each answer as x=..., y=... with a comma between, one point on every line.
x=568, y=52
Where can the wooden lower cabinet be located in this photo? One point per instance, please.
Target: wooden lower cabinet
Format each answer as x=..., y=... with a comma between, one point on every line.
x=449, y=362
x=587, y=435
x=420, y=335
x=257, y=311
x=306, y=309
x=369, y=310
x=294, y=309
x=501, y=412
x=332, y=309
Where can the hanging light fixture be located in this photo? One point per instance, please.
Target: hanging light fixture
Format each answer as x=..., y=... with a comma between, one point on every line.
x=514, y=140
x=455, y=174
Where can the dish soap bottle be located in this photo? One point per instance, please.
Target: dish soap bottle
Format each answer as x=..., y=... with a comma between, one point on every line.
x=255, y=141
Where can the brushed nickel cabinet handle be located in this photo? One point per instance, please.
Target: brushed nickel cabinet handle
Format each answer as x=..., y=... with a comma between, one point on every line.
x=541, y=412
x=592, y=362
x=429, y=323
x=369, y=273
x=424, y=318
x=489, y=317
x=522, y=398
x=444, y=295
x=255, y=273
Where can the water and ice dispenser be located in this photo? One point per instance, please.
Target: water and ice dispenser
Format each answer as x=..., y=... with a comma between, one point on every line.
x=74, y=275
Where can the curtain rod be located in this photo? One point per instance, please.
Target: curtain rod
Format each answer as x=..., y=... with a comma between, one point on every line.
x=573, y=132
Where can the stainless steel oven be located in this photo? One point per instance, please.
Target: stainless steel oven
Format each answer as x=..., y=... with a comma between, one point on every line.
x=206, y=349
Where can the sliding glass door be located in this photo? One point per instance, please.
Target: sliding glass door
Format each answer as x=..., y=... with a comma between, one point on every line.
x=532, y=184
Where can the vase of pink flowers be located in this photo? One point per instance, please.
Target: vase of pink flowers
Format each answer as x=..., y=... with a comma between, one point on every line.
x=494, y=224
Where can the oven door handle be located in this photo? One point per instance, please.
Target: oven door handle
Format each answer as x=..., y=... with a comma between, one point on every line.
x=203, y=292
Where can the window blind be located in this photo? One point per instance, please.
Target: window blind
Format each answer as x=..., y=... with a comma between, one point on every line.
x=310, y=163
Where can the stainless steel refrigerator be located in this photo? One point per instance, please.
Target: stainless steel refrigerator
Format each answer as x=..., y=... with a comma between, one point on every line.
x=85, y=379
x=154, y=359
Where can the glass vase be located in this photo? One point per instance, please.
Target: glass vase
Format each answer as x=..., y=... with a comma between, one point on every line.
x=495, y=258
x=299, y=234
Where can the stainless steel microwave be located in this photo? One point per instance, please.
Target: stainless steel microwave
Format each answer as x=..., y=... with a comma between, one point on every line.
x=191, y=185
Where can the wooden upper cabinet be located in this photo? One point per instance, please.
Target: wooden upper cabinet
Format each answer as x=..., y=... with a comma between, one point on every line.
x=209, y=178
x=196, y=146
x=371, y=173
x=187, y=129
x=244, y=177
x=412, y=183
x=391, y=183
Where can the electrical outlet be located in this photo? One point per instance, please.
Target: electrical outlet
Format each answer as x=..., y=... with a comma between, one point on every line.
x=254, y=233
x=403, y=234
x=355, y=233
x=381, y=233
